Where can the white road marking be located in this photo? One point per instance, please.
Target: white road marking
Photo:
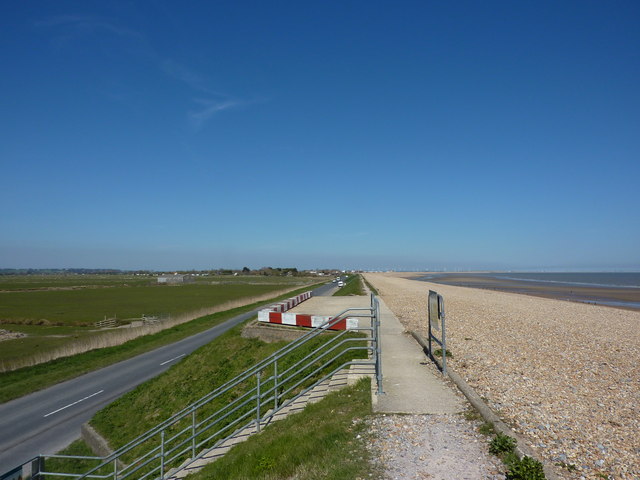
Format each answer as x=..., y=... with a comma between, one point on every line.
x=74, y=403
x=174, y=358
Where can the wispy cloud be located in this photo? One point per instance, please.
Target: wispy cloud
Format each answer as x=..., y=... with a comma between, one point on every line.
x=79, y=25
x=208, y=101
x=184, y=74
x=208, y=108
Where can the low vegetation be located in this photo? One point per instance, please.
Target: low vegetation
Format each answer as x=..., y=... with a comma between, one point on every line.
x=325, y=441
x=198, y=374
x=502, y=444
x=16, y=383
x=353, y=286
x=372, y=289
x=213, y=365
x=525, y=468
x=85, y=300
x=75, y=465
x=58, y=317
x=438, y=353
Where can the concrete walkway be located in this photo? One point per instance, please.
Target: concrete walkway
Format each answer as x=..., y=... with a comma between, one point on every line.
x=409, y=385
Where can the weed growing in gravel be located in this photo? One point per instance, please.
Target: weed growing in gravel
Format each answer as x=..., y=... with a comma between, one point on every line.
x=525, y=469
x=487, y=428
x=438, y=353
x=471, y=415
x=569, y=466
x=504, y=447
x=502, y=444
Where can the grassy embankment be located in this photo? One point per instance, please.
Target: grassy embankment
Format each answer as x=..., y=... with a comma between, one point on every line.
x=20, y=382
x=371, y=287
x=353, y=286
x=301, y=444
x=325, y=441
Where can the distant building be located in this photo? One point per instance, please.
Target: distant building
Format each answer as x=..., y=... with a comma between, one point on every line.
x=174, y=279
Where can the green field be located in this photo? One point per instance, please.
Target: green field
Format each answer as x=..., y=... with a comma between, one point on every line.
x=16, y=383
x=84, y=300
x=59, y=312
x=34, y=282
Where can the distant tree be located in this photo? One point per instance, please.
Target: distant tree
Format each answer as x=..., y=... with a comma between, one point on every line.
x=245, y=270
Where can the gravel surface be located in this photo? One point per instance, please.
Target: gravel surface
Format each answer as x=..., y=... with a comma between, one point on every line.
x=566, y=376
x=439, y=447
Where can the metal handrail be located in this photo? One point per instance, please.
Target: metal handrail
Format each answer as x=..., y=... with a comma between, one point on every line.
x=178, y=441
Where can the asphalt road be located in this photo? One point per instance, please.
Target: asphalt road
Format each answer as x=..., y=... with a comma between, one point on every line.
x=49, y=420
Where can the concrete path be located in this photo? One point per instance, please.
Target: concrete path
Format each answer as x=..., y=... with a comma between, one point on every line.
x=409, y=385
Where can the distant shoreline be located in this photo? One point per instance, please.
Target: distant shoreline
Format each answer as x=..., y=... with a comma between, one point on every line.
x=624, y=297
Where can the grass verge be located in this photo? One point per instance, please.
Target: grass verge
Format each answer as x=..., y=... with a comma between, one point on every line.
x=324, y=441
x=353, y=286
x=207, y=368
x=327, y=440
x=371, y=287
x=26, y=380
x=77, y=465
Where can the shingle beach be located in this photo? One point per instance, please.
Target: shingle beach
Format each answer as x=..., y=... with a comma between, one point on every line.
x=564, y=375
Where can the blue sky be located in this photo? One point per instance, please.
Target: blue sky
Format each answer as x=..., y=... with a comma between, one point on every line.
x=404, y=135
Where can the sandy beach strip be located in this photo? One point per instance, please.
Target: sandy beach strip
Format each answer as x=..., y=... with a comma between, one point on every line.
x=565, y=375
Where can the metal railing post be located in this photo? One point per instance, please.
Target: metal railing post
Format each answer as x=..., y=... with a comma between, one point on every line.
x=162, y=455
x=378, y=349
x=275, y=384
x=429, y=333
x=115, y=469
x=193, y=433
x=258, y=402
x=444, y=337
x=37, y=466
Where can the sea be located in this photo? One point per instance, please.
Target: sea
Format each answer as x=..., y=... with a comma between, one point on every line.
x=616, y=289
x=585, y=279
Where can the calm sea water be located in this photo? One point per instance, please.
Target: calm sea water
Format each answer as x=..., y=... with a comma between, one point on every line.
x=626, y=284
x=599, y=279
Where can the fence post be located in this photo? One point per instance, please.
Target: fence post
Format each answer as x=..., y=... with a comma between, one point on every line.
x=37, y=466
x=258, y=402
x=375, y=311
x=444, y=337
x=193, y=433
x=275, y=383
x=429, y=333
x=162, y=455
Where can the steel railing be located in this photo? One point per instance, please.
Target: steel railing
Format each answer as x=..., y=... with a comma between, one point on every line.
x=248, y=401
